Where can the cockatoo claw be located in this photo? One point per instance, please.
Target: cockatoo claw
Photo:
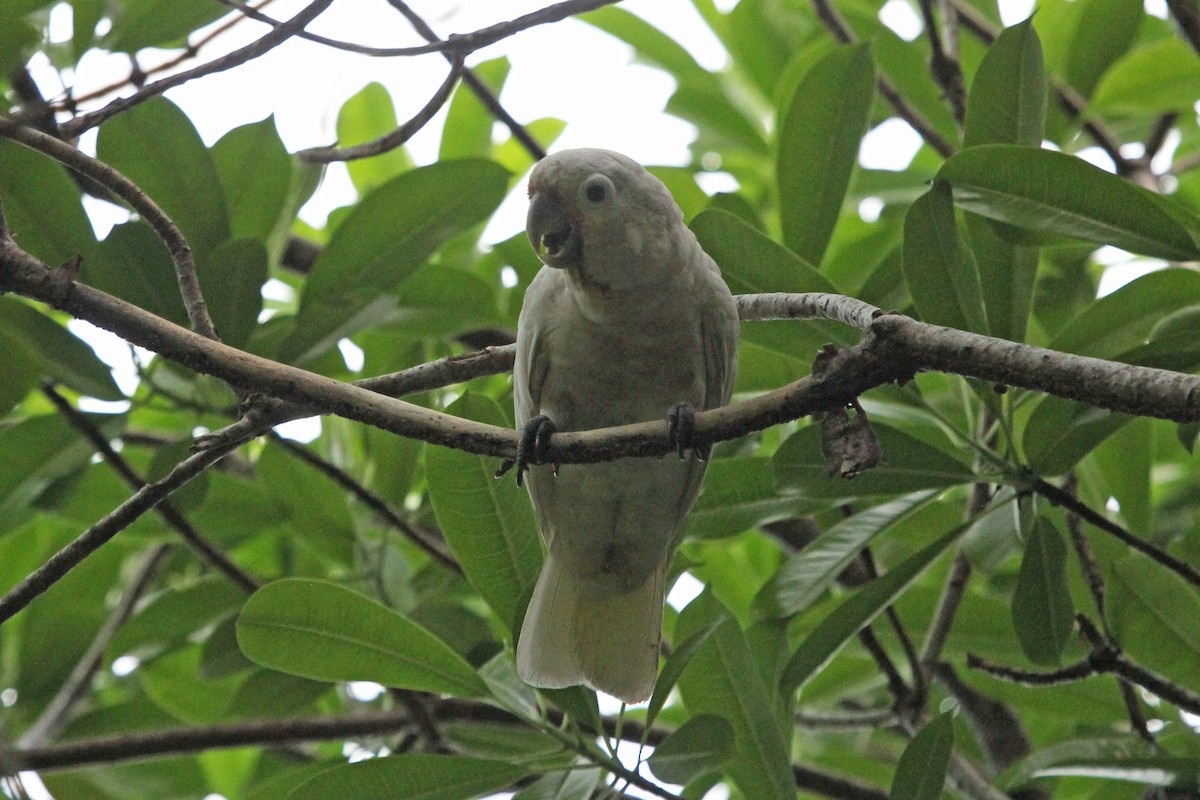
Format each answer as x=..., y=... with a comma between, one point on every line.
x=534, y=445
x=681, y=426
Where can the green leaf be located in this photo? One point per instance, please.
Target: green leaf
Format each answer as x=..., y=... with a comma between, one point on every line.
x=19, y=371
x=412, y=776
x=56, y=351
x=921, y=773
x=1153, y=612
x=16, y=39
x=488, y=523
x=1105, y=30
x=232, y=277
x=909, y=465
x=806, y=575
x=1007, y=103
x=1042, y=611
x=1061, y=432
x=467, y=132
x=42, y=206
x=723, y=680
x=941, y=272
x=386, y=237
x=651, y=45
x=133, y=265
x=703, y=743
x=674, y=665
x=818, y=145
x=146, y=23
x=1115, y=758
x=366, y=116
x=823, y=643
x=327, y=632
x=1160, y=77
x=255, y=206
x=1122, y=321
x=740, y=494
x=314, y=507
x=1052, y=192
x=155, y=145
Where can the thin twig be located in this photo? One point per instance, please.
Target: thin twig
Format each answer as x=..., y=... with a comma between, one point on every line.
x=424, y=539
x=1188, y=17
x=1061, y=498
x=1083, y=549
x=164, y=227
x=174, y=519
x=943, y=64
x=392, y=140
x=57, y=712
x=477, y=86
x=462, y=43
x=268, y=42
x=841, y=33
x=192, y=50
x=102, y=531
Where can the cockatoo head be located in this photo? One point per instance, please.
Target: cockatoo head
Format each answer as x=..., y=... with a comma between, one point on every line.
x=605, y=219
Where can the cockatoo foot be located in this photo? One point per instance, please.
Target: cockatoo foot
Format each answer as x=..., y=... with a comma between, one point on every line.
x=533, y=448
x=681, y=426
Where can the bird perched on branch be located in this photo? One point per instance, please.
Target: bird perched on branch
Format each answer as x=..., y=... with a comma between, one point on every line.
x=631, y=321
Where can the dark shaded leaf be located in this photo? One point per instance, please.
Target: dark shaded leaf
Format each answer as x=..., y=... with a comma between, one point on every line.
x=55, y=351
x=232, y=277
x=326, y=632
x=941, y=272
x=42, y=206
x=1042, y=611
x=921, y=773
x=415, y=776
x=703, y=743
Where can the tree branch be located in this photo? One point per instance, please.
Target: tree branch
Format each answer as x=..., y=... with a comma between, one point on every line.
x=169, y=513
x=390, y=141
x=270, y=41
x=164, y=227
x=57, y=712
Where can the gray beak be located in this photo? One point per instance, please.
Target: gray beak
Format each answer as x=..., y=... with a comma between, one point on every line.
x=551, y=232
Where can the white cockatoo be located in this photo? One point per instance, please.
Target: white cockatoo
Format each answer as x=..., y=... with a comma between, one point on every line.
x=630, y=321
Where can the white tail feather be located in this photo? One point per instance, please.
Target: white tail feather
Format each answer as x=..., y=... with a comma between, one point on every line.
x=609, y=643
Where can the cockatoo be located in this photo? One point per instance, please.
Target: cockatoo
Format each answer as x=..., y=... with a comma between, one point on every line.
x=630, y=321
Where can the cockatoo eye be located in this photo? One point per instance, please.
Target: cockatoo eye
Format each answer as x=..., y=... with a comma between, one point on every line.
x=597, y=189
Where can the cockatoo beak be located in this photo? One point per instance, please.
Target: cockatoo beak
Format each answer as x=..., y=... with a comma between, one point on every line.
x=553, y=235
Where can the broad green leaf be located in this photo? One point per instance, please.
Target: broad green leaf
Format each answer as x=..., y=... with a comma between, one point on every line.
x=367, y=116
x=385, y=238
x=427, y=314
x=1153, y=613
x=763, y=36
x=146, y=23
x=1061, y=432
x=172, y=680
x=651, y=45
x=314, y=507
x=573, y=784
x=723, y=680
x=467, y=132
x=155, y=145
x=1160, y=77
x=20, y=370
x=941, y=272
x=1126, y=461
x=1051, y=192
x=36, y=452
x=1105, y=30
x=740, y=494
x=909, y=465
x=133, y=265
x=921, y=773
x=824, y=642
x=818, y=146
x=674, y=665
x=232, y=277
x=703, y=743
x=1007, y=103
x=412, y=776
x=806, y=575
x=718, y=120
x=488, y=523
x=1122, y=321
x=255, y=205
x=42, y=206
x=1042, y=611
x=17, y=38
x=326, y=632
x=56, y=351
